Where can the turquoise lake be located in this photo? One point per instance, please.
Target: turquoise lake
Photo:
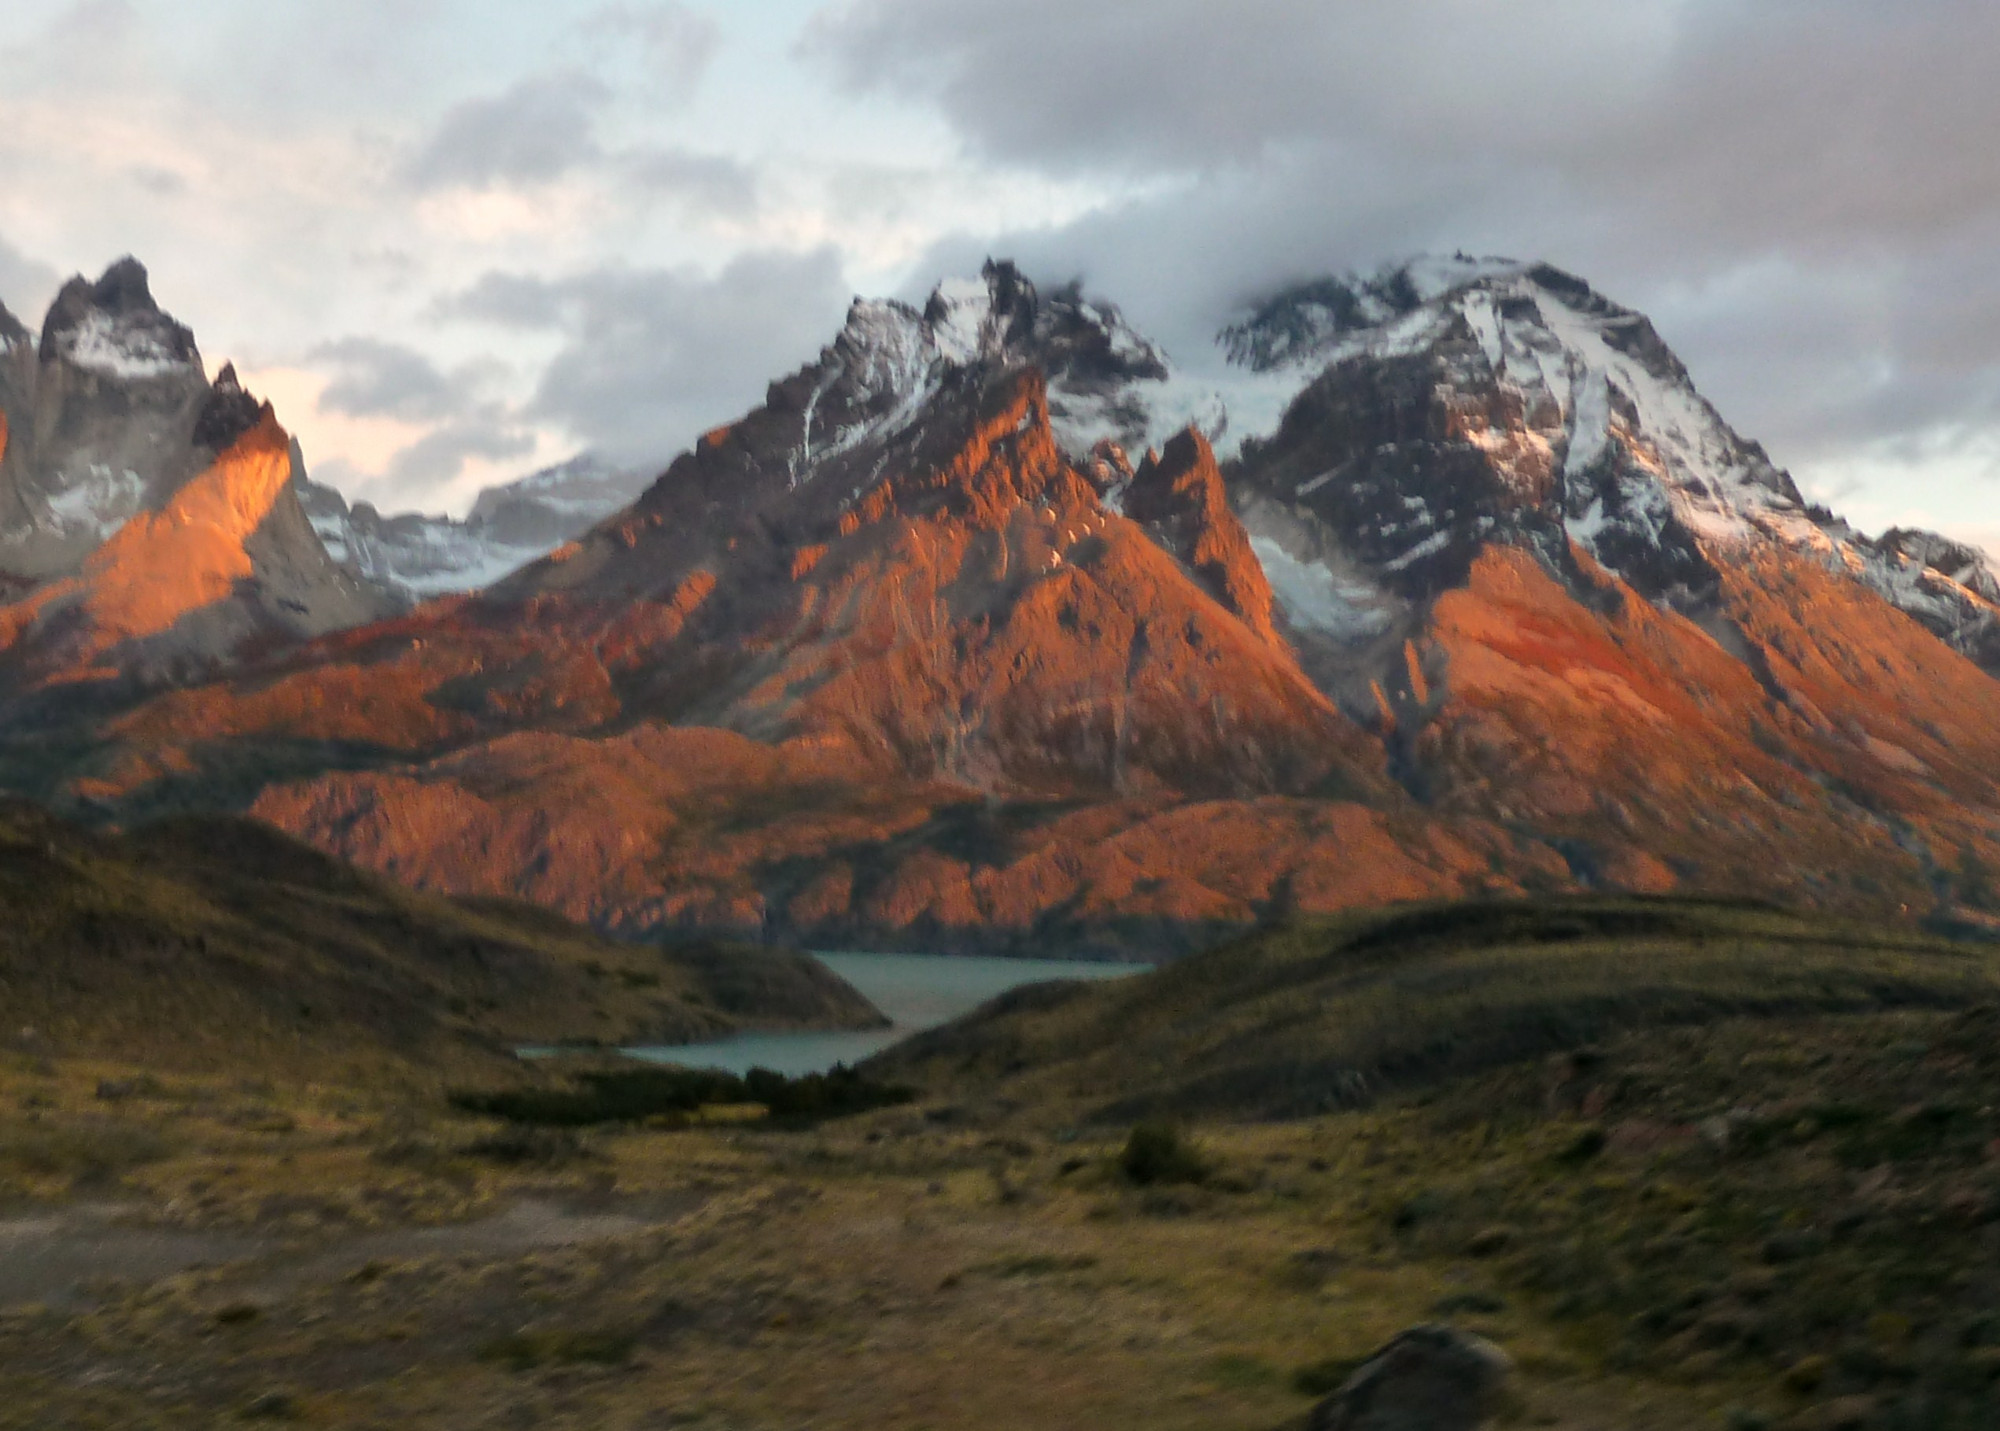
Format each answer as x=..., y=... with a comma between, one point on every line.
x=916, y=991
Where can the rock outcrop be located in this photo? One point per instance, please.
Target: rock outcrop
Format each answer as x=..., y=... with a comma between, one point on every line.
x=1431, y=1378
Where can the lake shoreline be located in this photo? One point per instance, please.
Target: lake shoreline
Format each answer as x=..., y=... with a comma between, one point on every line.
x=916, y=991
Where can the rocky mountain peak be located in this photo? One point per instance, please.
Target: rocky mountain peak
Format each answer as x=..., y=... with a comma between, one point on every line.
x=229, y=412
x=422, y=555
x=1557, y=382
x=115, y=328
x=1439, y=404
x=1303, y=322
x=1961, y=563
x=1179, y=496
x=891, y=359
x=1487, y=597
x=13, y=332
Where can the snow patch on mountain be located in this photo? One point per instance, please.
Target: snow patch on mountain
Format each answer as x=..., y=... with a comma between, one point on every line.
x=960, y=315
x=1106, y=382
x=1589, y=392
x=420, y=556
x=99, y=504
x=1313, y=597
x=100, y=343
x=892, y=361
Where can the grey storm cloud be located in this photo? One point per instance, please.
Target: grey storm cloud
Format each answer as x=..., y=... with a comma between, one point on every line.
x=439, y=456
x=1803, y=193
x=545, y=127
x=538, y=130
x=709, y=183
x=655, y=356
x=372, y=378
x=1189, y=84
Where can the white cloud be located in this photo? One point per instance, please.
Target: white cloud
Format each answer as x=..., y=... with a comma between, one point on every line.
x=652, y=357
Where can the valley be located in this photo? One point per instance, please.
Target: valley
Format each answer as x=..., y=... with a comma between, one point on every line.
x=1687, y=1164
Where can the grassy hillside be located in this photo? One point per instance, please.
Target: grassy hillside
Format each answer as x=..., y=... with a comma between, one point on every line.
x=219, y=943
x=1691, y=1165
x=1326, y=1014
x=1726, y=1155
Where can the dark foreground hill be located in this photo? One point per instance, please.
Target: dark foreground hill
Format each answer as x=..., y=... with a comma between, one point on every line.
x=1327, y=1014
x=1725, y=1156
x=216, y=942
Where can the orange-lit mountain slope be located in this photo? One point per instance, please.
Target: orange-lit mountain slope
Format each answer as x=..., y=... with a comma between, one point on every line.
x=150, y=532
x=914, y=656
x=224, y=562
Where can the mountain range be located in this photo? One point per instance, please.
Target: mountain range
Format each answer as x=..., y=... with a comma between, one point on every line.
x=994, y=629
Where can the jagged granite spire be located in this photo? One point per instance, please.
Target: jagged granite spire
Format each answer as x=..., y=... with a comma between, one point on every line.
x=114, y=326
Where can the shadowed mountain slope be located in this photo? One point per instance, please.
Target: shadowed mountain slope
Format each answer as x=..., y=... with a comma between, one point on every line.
x=217, y=942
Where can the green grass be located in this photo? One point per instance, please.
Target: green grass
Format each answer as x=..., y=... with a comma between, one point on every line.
x=526, y=1351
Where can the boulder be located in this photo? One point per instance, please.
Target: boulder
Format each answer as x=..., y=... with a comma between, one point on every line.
x=1430, y=1378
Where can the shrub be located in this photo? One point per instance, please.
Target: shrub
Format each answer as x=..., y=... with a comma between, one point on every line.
x=522, y=1145
x=635, y=1095
x=527, y=1350
x=1157, y=1153
x=1323, y=1378
x=93, y=1151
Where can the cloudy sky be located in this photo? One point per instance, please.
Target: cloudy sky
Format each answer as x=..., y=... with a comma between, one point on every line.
x=459, y=239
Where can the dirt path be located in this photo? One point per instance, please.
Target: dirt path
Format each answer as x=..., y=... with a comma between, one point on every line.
x=56, y=1259
x=70, y=1260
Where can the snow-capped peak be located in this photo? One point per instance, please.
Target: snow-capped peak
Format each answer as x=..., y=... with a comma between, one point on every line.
x=1596, y=396
x=960, y=318
x=420, y=556
x=99, y=343
x=114, y=328
x=1588, y=422
x=890, y=359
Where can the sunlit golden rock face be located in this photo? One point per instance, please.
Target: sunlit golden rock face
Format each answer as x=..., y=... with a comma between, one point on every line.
x=980, y=709
x=225, y=563
x=161, y=566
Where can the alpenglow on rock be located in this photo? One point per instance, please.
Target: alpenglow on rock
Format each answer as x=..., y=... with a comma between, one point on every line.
x=147, y=524
x=992, y=629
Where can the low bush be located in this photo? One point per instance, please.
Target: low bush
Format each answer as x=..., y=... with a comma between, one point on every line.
x=93, y=1151
x=635, y=1095
x=523, y=1145
x=526, y=1351
x=1157, y=1154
